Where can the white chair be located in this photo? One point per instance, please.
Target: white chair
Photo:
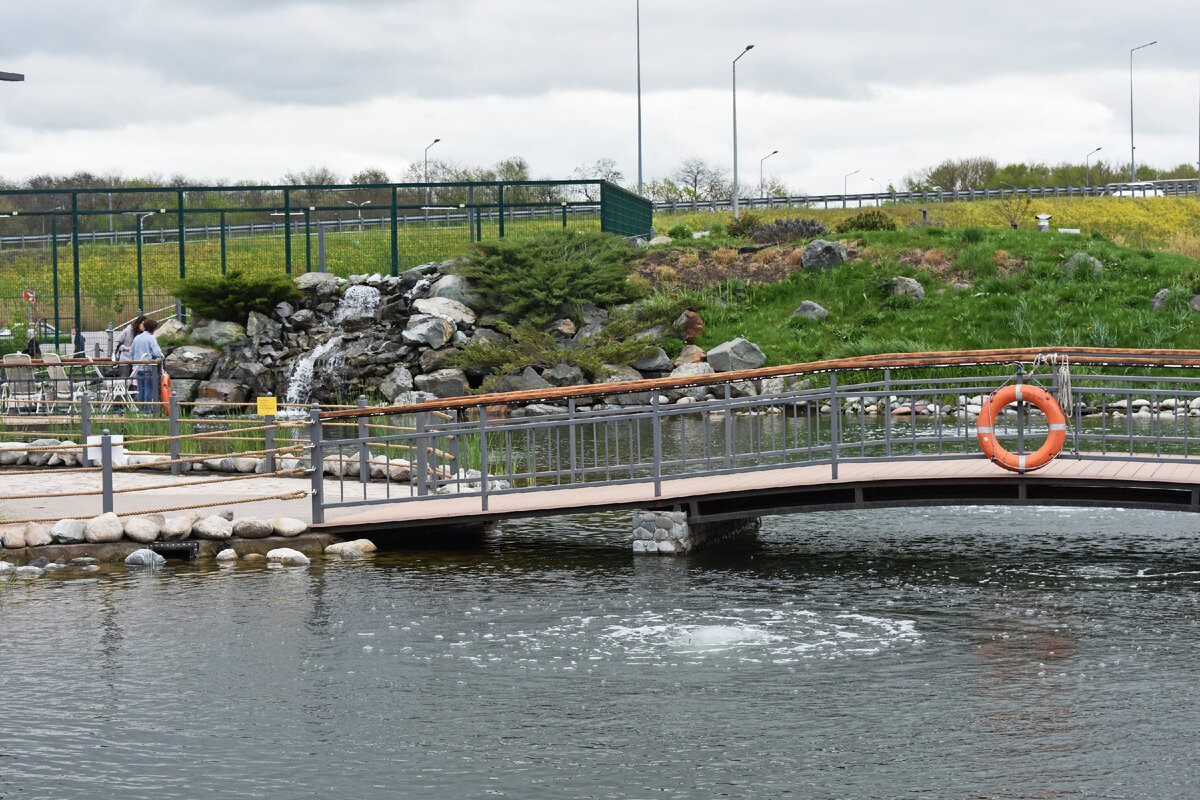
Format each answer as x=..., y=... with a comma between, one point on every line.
x=21, y=389
x=57, y=389
x=105, y=392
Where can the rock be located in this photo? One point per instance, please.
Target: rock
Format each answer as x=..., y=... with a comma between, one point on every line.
x=653, y=359
x=27, y=572
x=821, y=254
x=213, y=527
x=736, y=354
x=452, y=310
x=212, y=396
x=564, y=375
x=526, y=381
x=358, y=545
x=142, y=529
x=7, y=567
x=216, y=332
x=454, y=287
x=561, y=328
x=690, y=326
x=690, y=354
x=228, y=554
x=11, y=453
x=252, y=528
x=104, y=528
x=1160, y=299
x=444, y=383
x=176, y=529
x=191, y=361
x=621, y=375
x=428, y=330
x=185, y=389
x=36, y=535
x=358, y=308
x=144, y=558
x=288, y=557
x=689, y=371
x=254, y=557
x=67, y=531
x=289, y=526
x=591, y=314
x=810, y=309
x=260, y=326
x=284, y=309
x=170, y=329
x=41, y=459
x=399, y=380
x=908, y=287
x=1194, y=303
x=324, y=284
x=1075, y=261
x=13, y=538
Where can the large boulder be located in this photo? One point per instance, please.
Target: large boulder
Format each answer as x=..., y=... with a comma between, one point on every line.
x=400, y=380
x=811, y=309
x=653, y=359
x=690, y=354
x=1160, y=299
x=252, y=528
x=358, y=309
x=452, y=310
x=212, y=396
x=214, y=527
x=525, y=381
x=191, y=361
x=736, y=354
x=690, y=370
x=564, y=375
x=455, y=287
x=142, y=529
x=176, y=529
x=216, y=332
x=144, y=558
x=288, y=557
x=36, y=535
x=260, y=326
x=902, y=285
x=428, y=330
x=288, y=526
x=444, y=383
x=622, y=374
x=1083, y=260
x=67, y=531
x=689, y=326
x=105, y=528
x=320, y=285
x=822, y=254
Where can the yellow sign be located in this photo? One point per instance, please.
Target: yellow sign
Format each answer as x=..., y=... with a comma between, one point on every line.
x=267, y=406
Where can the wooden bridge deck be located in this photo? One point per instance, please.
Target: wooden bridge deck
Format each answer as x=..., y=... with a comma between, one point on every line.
x=1065, y=481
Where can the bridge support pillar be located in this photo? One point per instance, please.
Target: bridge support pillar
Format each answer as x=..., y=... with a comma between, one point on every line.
x=672, y=533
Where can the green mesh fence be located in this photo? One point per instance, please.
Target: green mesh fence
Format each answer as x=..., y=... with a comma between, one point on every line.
x=120, y=250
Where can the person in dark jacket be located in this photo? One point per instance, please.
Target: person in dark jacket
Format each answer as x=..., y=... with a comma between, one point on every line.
x=32, y=348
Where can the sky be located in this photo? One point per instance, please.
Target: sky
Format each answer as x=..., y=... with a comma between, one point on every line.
x=255, y=89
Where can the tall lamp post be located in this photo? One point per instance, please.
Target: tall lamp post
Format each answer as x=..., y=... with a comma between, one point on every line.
x=11, y=76
x=846, y=183
x=359, y=207
x=431, y=144
x=880, y=187
x=1087, y=164
x=761, y=192
x=747, y=49
x=1132, y=163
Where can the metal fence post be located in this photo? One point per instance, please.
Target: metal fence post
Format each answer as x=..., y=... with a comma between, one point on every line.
x=287, y=231
x=657, y=427
x=395, y=237
x=106, y=470
x=500, y=204
x=316, y=463
x=223, y=262
x=730, y=459
x=835, y=427
x=173, y=430
x=422, y=461
x=571, y=435
x=268, y=442
x=54, y=267
x=85, y=426
x=364, y=452
x=483, y=458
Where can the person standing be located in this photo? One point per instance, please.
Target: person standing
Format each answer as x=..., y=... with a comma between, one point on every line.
x=124, y=347
x=78, y=345
x=145, y=348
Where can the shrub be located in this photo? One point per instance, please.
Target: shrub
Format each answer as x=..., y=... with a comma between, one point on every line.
x=972, y=235
x=672, y=346
x=870, y=220
x=529, y=280
x=717, y=228
x=745, y=223
x=680, y=231
x=232, y=297
x=792, y=229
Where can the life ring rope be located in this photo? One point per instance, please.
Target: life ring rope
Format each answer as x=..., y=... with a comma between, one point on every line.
x=985, y=430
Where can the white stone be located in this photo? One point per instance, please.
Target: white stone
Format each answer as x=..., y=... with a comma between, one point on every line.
x=288, y=557
x=144, y=558
x=28, y=573
x=358, y=546
x=176, y=529
x=245, y=465
x=228, y=554
x=288, y=526
x=67, y=531
x=142, y=529
x=104, y=528
x=13, y=538
x=6, y=567
x=213, y=527
x=36, y=535
x=666, y=547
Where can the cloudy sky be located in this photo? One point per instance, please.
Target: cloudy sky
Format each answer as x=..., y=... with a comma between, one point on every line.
x=253, y=89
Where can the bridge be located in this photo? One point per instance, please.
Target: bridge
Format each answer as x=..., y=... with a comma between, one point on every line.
x=699, y=458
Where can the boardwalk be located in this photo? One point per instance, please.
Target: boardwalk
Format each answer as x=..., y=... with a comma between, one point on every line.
x=1066, y=481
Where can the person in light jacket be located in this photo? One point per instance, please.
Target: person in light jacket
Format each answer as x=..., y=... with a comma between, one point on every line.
x=124, y=346
x=145, y=348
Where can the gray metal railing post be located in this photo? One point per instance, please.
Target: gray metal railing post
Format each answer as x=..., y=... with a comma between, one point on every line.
x=268, y=441
x=109, y=332
x=657, y=426
x=1020, y=414
x=106, y=470
x=887, y=412
x=422, y=455
x=452, y=448
x=483, y=458
x=729, y=454
x=364, y=451
x=835, y=427
x=173, y=431
x=85, y=426
x=571, y=436
x=316, y=462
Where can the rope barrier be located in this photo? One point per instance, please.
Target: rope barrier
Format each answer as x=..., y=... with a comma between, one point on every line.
x=295, y=495
x=288, y=473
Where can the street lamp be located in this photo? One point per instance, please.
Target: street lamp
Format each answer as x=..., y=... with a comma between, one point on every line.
x=845, y=184
x=748, y=48
x=1132, y=167
x=761, y=192
x=431, y=144
x=1087, y=178
x=359, y=207
x=878, y=185
x=11, y=76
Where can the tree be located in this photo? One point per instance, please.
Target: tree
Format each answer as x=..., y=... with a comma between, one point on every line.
x=701, y=181
x=604, y=169
x=314, y=177
x=368, y=176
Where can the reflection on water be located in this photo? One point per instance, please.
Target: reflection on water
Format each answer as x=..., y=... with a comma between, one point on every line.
x=946, y=653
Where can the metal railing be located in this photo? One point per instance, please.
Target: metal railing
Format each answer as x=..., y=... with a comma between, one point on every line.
x=879, y=411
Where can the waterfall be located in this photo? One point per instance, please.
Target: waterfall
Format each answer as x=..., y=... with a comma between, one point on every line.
x=359, y=302
x=300, y=379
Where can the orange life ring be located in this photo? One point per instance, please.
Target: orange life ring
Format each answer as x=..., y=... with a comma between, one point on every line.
x=164, y=389
x=986, y=427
